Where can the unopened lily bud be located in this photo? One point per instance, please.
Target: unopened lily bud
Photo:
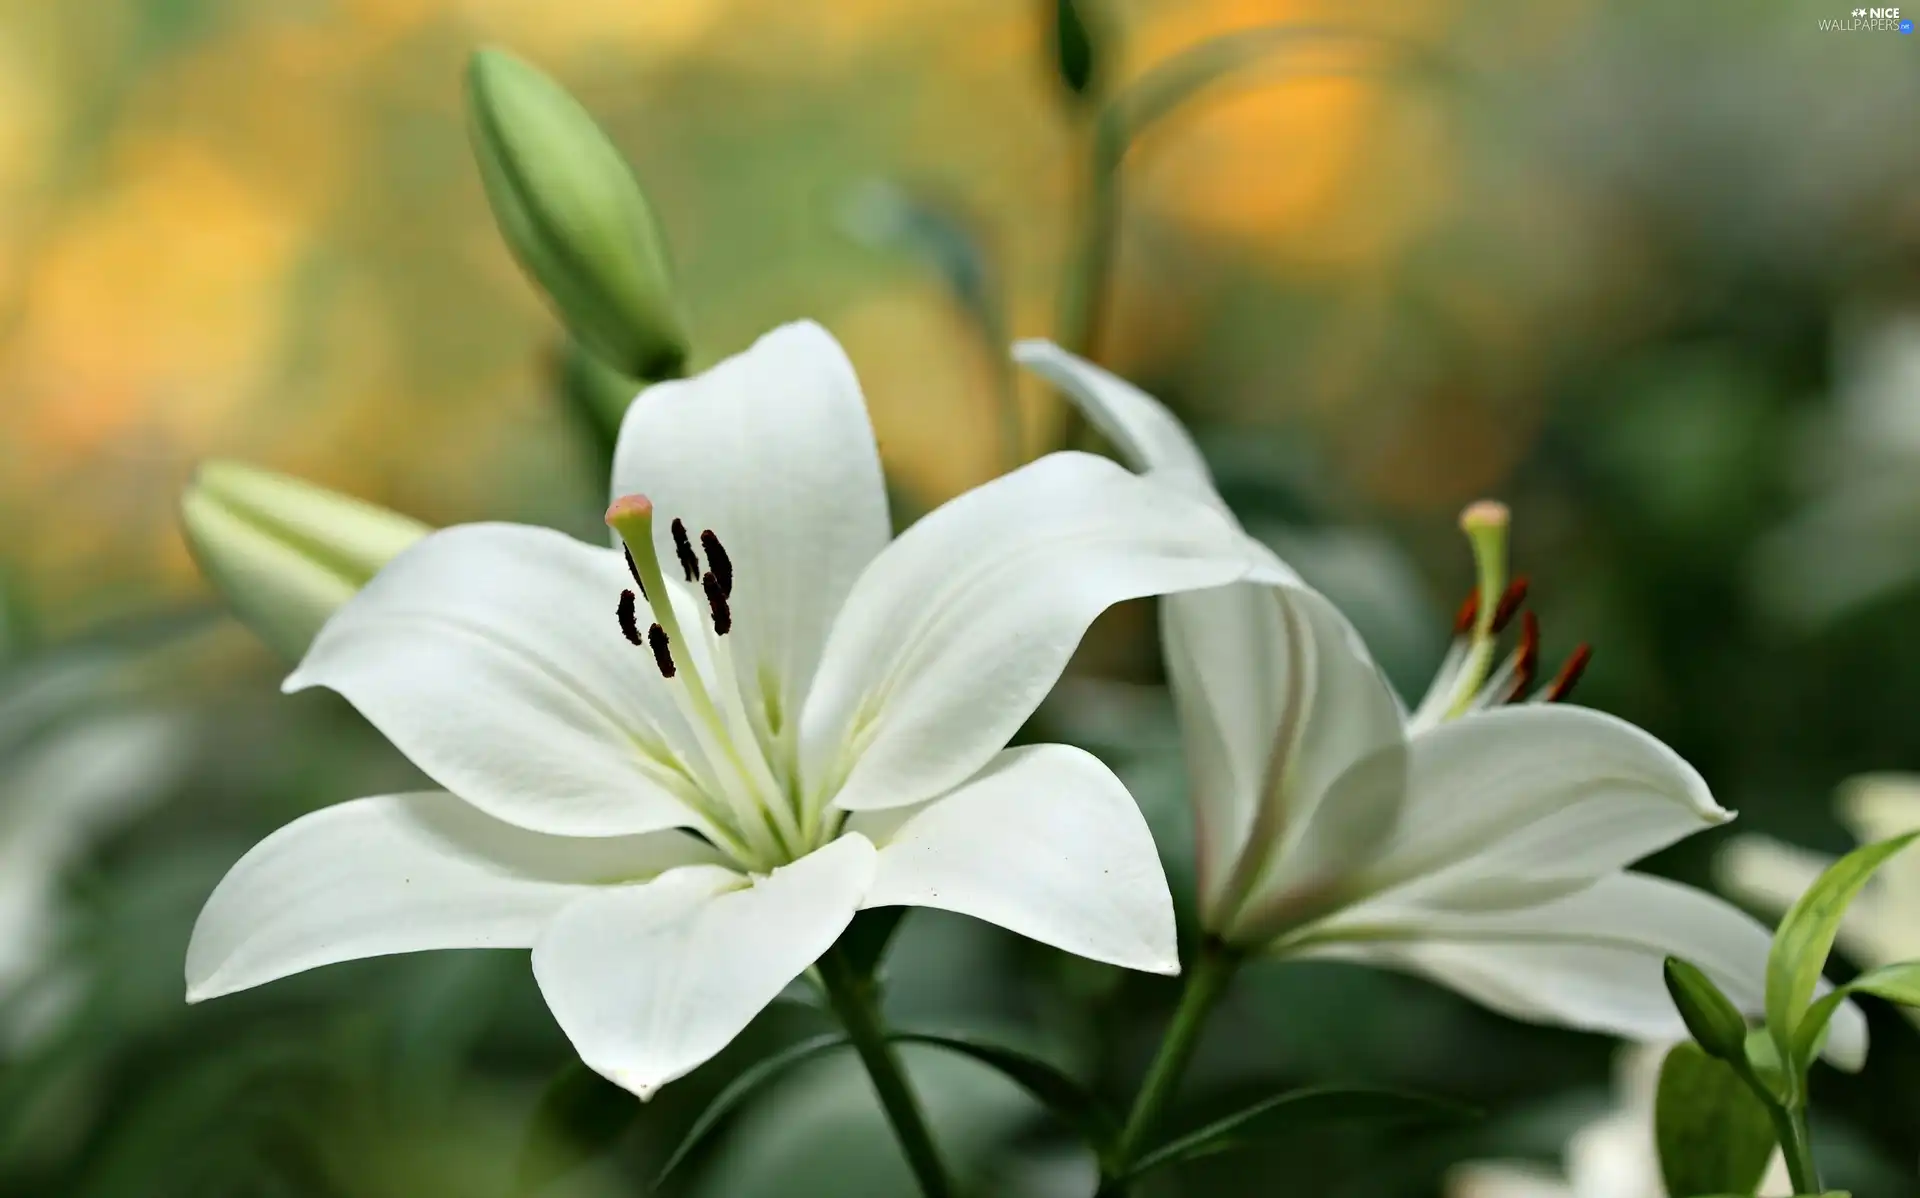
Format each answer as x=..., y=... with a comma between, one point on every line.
x=1075, y=54
x=1708, y=1013
x=575, y=219
x=285, y=554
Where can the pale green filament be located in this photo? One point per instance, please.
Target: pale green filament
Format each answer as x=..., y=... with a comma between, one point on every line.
x=769, y=826
x=1485, y=524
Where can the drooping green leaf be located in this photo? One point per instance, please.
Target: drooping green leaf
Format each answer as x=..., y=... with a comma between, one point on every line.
x=1296, y=1111
x=1805, y=937
x=1896, y=983
x=580, y=1116
x=1713, y=1134
x=743, y=1087
x=1057, y=1090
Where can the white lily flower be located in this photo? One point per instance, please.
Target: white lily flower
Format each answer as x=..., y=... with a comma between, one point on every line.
x=1612, y=1157
x=1882, y=925
x=1479, y=844
x=677, y=785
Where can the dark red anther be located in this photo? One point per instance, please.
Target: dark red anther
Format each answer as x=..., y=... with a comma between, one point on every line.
x=717, y=601
x=1526, y=658
x=1510, y=601
x=662, y=652
x=718, y=561
x=1463, y=619
x=683, y=549
x=1569, y=674
x=635, y=571
x=628, y=624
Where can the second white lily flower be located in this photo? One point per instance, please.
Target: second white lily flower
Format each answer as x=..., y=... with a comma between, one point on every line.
x=676, y=773
x=1482, y=845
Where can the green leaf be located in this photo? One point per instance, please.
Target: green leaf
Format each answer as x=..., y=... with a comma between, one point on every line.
x=1714, y=1135
x=1295, y=1111
x=1709, y=1014
x=743, y=1087
x=580, y=1116
x=1805, y=937
x=1896, y=983
x=1055, y=1089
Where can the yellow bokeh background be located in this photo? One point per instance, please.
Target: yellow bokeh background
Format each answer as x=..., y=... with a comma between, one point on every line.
x=254, y=231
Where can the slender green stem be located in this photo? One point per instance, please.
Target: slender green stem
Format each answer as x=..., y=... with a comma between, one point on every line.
x=1207, y=980
x=1796, y=1144
x=1789, y=1126
x=855, y=1002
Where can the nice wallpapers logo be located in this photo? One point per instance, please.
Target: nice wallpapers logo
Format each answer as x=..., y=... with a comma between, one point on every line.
x=1886, y=20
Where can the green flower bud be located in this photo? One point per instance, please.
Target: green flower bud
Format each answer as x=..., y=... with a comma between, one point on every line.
x=1709, y=1015
x=573, y=216
x=1075, y=55
x=286, y=554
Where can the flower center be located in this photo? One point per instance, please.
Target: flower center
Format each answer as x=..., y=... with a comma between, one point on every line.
x=742, y=769
x=1473, y=677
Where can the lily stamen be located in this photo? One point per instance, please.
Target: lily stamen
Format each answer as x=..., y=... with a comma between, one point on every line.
x=1569, y=675
x=683, y=549
x=717, y=604
x=718, y=561
x=629, y=620
x=737, y=763
x=662, y=652
x=1510, y=603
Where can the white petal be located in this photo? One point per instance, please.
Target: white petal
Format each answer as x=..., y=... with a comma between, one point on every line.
x=1589, y=960
x=1338, y=776
x=1045, y=842
x=398, y=874
x=955, y=632
x=1879, y=807
x=1499, y=1179
x=1233, y=675
x=1148, y=436
x=1614, y=1157
x=1535, y=798
x=91, y=773
x=491, y=656
x=649, y=981
x=773, y=452
x=1766, y=874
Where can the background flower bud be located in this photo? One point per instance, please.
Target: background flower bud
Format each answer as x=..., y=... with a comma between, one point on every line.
x=573, y=215
x=283, y=553
x=1709, y=1014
